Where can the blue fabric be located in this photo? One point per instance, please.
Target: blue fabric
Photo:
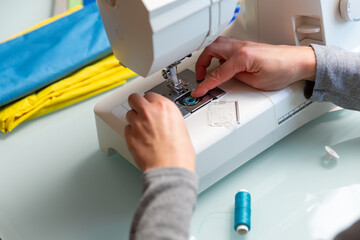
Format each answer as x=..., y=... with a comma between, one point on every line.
x=47, y=54
x=86, y=2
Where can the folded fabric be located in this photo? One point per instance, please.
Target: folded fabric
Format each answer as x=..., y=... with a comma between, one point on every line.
x=92, y=80
x=47, y=54
x=86, y=2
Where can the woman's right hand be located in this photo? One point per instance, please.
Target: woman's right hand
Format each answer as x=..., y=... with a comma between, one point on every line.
x=262, y=66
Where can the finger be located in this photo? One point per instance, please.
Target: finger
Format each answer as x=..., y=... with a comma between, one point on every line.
x=153, y=97
x=127, y=130
x=137, y=102
x=222, y=74
x=202, y=64
x=128, y=135
x=131, y=116
x=226, y=39
x=157, y=98
x=215, y=50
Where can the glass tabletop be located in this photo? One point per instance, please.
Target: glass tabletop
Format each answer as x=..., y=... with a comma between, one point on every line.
x=56, y=184
x=297, y=192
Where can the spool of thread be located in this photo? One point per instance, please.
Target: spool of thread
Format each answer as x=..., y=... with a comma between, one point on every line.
x=242, y=212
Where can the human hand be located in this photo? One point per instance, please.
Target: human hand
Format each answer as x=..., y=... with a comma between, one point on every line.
x=262, y=66
x=157, y=135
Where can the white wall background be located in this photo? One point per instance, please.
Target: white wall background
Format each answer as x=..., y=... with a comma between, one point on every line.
x=18, y=15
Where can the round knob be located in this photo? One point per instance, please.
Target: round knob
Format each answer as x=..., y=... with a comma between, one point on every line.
x=350, y=10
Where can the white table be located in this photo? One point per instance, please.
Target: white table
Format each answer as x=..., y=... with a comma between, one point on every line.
x=18, y=15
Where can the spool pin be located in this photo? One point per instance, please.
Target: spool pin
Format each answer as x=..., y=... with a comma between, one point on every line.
x=330, y=153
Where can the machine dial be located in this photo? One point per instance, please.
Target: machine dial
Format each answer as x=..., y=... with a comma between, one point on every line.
x=350, y=10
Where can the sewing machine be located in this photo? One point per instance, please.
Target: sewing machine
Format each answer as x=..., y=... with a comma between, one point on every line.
x=155, y=39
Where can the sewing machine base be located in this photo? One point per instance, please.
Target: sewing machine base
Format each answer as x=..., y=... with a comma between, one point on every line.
x=265, y=118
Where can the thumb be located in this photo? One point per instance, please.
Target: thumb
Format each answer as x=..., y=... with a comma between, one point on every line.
x=222, y=74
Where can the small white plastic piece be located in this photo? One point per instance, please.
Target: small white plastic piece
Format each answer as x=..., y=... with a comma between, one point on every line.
x=192, y=238
x=330, y=153
x=223, y=113
x=307, y=29
x=244, y=190
x=350, y=10
x=242, y=229
x=126, y=105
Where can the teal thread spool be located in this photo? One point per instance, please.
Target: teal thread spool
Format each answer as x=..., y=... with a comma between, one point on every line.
x=242, y=212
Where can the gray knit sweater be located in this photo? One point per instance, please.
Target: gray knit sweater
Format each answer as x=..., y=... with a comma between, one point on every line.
x=337, y=77
x=167, y=203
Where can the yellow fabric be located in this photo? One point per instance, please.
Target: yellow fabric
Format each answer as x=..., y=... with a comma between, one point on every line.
x=94, y=79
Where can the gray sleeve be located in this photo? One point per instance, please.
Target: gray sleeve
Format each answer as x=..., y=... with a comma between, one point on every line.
x=167, y=203
x=337, y=77
x=352, y=233
x=338, y=81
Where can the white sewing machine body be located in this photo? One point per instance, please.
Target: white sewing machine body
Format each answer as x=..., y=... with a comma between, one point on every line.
x=295, y=22
x=265, y=117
